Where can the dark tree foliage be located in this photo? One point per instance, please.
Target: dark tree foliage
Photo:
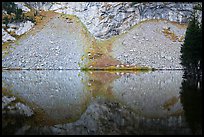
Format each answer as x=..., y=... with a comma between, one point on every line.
x=191, y=90
x=19, y=14
x=6, y=21
x=191, y=50
x=10, y=7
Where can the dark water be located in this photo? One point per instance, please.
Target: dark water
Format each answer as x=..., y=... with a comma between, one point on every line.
x=100, y=102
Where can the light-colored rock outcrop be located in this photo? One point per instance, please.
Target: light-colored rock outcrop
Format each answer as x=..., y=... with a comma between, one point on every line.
x=18, y=29
x=106, y=19
x=24, y=27
x=6, y=37
x=22, y=5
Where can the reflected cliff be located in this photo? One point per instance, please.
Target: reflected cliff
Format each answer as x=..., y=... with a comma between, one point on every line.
x=97, y=102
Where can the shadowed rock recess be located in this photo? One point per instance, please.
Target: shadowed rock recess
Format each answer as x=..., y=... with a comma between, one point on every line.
x=122, y=35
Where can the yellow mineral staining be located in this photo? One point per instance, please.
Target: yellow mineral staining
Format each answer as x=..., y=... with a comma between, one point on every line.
x=101, y=18
x=5, y=46
x=171, y=35
x=68, y=16
x=99, y=83
x=181, y=38
x=97, y=53
x=34, y=15
x=83, y=57
x=42, y=18
x=170, y=103
x=178, y=112
x=30, y=14
x=12, y=33
x=127, y=67
x=38, y=19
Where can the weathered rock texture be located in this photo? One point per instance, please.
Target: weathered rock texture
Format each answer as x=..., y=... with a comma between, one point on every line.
x=106, y=19
x=60, y=44
x=147, y=45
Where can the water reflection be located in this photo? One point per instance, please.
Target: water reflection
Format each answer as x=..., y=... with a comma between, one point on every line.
x=97, y=102
x=191, y=99
x=56, y=96
x=154, y=94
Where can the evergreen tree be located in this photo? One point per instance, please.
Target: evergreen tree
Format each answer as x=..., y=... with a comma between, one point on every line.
x=19, y=14
x=10, y=7
x=191, y=50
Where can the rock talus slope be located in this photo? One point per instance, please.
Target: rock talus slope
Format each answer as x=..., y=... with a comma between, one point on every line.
x=58, y=45
x=147, y=45
x=64, y=43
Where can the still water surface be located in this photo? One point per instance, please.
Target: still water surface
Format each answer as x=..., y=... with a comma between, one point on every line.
x=99, y=102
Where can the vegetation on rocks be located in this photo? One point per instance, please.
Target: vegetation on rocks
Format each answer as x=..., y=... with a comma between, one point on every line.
x=14, y=14
x=171, y=35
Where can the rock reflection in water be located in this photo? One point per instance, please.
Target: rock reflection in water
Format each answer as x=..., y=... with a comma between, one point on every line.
x=98, y=102
x=60, y=94
x=154, y=94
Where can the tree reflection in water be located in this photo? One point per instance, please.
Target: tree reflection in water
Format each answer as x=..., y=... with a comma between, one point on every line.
x=191, y=99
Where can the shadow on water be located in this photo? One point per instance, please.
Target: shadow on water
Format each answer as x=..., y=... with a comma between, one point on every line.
x=191, y=99
x=100, y=102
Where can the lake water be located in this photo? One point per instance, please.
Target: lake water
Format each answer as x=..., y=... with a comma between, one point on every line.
x=100, y=102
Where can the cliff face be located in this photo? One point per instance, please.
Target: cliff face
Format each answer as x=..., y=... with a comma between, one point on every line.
x=106, y=19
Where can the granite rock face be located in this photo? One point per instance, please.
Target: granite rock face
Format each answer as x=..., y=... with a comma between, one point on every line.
x=104, y=20
x=6, y=36
x=17, y=28
x=24, y=27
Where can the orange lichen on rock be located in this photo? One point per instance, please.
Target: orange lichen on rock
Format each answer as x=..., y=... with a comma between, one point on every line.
x=171, y=35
